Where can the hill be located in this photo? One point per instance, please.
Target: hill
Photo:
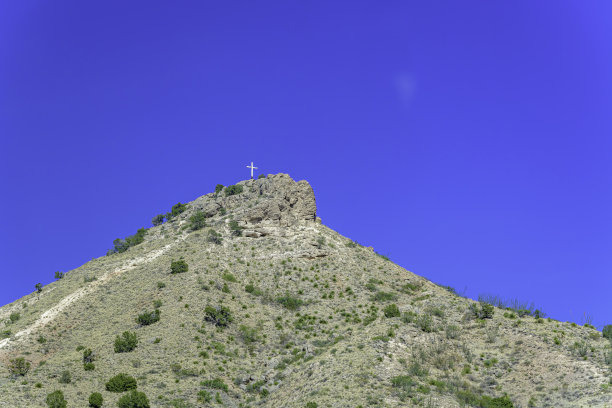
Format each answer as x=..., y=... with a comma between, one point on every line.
x=243, y=298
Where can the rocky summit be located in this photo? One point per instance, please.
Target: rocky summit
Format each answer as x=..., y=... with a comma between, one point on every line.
x=243, y=298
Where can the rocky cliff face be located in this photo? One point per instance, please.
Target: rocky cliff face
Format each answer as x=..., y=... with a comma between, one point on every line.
x=276, y=200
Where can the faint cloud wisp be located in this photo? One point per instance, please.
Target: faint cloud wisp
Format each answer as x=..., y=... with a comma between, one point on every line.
x=405, y=85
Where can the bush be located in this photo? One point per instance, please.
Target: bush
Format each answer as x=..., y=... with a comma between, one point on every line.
x=96, y=400
x=134, y=399
x=65, y=378
x=14, y=317
x=204, y=396
x=485, y=311
x=197, y=221
x=289, y=302
x=252, y=289
x=148, y=318
x=88, y=356
x=219, y=316
x=499, y=402
x=248, y=334
x=607, y=332
x=56, y=400
x=121, y=383
x=229, y=277
x=233, y=190
x=122, y=245
x=214, y=237
x=176, y=210
x=219, y=188
x=19, y=367
x=126, y=342
x=311, y=405
x=179, y=266
x=59, y=275
x=235, y=228
x=384, y=296
x=89, y=366
x=158, y=220
x=38, y=287
x=391, y=311
x=216, y=384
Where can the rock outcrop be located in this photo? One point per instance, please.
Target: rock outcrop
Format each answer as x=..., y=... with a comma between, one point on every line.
x=275, y=200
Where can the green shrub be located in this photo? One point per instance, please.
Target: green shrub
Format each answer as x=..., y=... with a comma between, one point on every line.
x=19, y=367
x=381, y=296
x=229, y=277
x=121, y=383
x=499, y=402
x=391, y=311
x=14, y=317
x=204, y=396
x=38, y=287
x=252, y=289
x=485, y=311
x=5, y=334
x=216, y=384
x=96, y=400
x=59, y=275
x=177, y=209
x=158, y=220
x=179, y=266
x=56, y=400
x=233, y=190
x=235, y=228
x=65, y=377
x=248, y=334
x=311, y=405
x=218, y=188
x=126, y=342
x=290, y=301
x=197, y=221
x=607, y=332
x=134, y=399
x=88, y=356
x=402, y=381
x=219, y=316
x=89, y=366
x=122, y=245
x=214, y=237
x=425, y=323
x=148, y=318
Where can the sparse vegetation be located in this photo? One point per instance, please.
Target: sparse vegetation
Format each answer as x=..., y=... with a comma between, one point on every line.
x=220, y=316
x=19, y=367
x=126, y=342
x=233, y=190
x=158, y=220
x=214, y=237
x=148, y=318
x=197, y=221
x=134, y=399
x=56, y=400
x=179, y=266
x=121, y=383
x=289, y=301
x=96, y=400
x=235, y=228
x=391, y=310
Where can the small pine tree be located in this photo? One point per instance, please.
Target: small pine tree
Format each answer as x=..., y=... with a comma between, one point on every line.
x=38, y=287
x=197, y=221
x=126, y=342
x=158, y=220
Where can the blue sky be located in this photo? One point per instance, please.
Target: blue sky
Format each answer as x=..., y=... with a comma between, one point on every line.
x=469, y=141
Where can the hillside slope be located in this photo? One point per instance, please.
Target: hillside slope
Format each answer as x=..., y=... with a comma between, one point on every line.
x=277, y=310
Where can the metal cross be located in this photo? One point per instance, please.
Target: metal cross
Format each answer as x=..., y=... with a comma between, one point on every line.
x=251, y=167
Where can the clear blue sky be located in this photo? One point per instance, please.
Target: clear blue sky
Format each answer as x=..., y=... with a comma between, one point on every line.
x=470, y=141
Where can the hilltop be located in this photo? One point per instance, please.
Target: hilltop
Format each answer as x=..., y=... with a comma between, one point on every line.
x=243, y=298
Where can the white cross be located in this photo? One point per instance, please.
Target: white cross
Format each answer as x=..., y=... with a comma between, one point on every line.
x=251, y=167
